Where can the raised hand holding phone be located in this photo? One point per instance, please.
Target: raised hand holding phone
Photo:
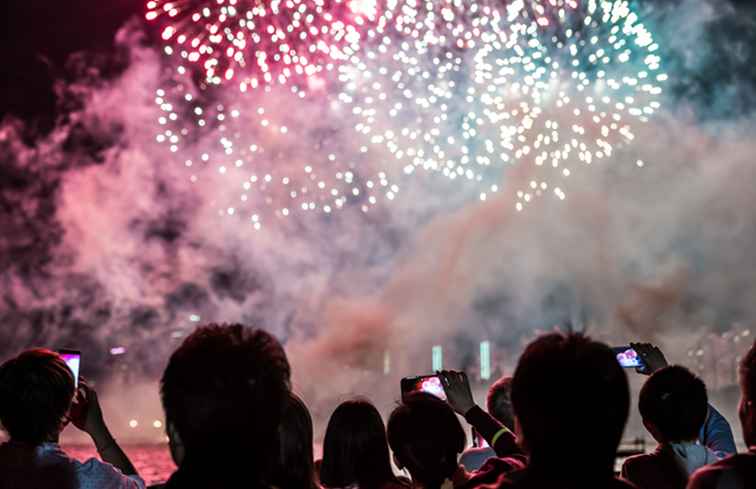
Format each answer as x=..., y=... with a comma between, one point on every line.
x=458, y=392
x=86, y=413
x=652, y=356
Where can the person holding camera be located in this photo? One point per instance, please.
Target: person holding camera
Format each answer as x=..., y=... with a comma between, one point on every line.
x=673, y=405
x=737, y=471
x=38, y=399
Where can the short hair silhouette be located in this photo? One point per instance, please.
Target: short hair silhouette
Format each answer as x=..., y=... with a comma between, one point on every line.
x=295, y=467
x=499, y=402
x=224, y=391
x=426, y=438
x=36, y=391
x=675, y=402
x=355, y=450
x=571, y=399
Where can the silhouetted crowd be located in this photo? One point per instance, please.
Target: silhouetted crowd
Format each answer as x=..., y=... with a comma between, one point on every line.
x=233, y=422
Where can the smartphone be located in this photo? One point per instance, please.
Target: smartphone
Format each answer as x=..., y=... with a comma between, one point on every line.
x=423, y=383
x=73, y=360
x=628, y=357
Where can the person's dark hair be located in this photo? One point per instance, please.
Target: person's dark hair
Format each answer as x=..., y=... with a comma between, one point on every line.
x=675, y=401
x=426, y=438
x=36, y=391
x=499, y=402
x=355, y=450
x=224, y=390
x=295, y=468
x=748, y=374
x=571, y=400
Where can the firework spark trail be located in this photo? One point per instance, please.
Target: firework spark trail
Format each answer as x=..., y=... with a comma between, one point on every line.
x=565, y=82
x=256, y=43
x=468, y=91
x=258, y=150
x=409, y=88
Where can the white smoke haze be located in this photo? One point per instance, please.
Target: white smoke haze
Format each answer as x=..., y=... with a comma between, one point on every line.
x=139, y=254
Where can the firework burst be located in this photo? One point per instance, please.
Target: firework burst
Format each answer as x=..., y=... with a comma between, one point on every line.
x=259, y=43
x=565, y=82
x=466, y=89
x=410, y=87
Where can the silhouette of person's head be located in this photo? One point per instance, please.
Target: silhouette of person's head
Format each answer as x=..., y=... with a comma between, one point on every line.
x=223, y=392
x=36, y=392
x=355, y=450
x=295, y=467
x=673, y=405
x=499, y=402
x=426, y=438
x=747, y=407
x=571, y=401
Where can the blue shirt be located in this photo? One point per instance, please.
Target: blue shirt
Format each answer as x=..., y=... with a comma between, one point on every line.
x=716, y=434
x=47, y=466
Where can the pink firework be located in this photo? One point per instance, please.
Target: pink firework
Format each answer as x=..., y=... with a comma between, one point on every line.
x=260, y=42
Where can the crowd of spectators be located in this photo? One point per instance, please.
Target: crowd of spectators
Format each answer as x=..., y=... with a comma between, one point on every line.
x=233, y=421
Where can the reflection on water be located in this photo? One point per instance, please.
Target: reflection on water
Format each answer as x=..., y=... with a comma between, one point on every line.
x=153, y=462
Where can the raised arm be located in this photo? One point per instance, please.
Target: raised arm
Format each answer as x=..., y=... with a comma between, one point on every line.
x=460, y=398
x=716, y=434
x=86, y=415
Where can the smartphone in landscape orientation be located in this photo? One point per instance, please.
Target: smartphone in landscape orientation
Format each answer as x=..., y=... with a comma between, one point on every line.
x=73, y=360
x=423, y=383
x=628, y=357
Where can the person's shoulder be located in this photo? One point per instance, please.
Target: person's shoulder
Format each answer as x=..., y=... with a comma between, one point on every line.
x=639, y=459
x=730, y=468
x=622, y=484
x=398, y=484
x=639, y=462
x=95, y=473
x=730, y=463
x=520, y=480
x=498, y=473
x=495, y=473
x=474, y=458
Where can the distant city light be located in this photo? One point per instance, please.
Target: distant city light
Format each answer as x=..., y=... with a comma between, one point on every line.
x=118, y=350
x=485, y=360
x=437, y=358
x=133, y=423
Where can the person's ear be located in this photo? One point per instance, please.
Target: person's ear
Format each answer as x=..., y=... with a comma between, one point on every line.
x=518, y=434
x=651, y=428
x=178, y=452
x=398, y=463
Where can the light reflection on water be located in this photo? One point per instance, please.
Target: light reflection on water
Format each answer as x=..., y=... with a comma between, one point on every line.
x=153, y=462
